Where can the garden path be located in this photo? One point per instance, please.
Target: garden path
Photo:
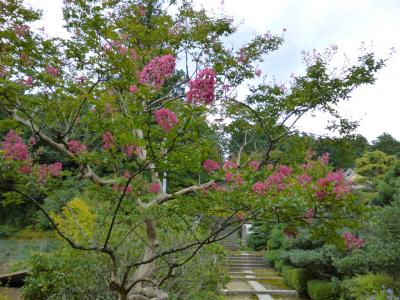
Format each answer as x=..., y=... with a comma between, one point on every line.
x=250, y=276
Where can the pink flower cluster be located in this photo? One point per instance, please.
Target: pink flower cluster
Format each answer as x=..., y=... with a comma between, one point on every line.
x=210, y=165
x=25, y=169
x=53, y=71
x=166, y=119
x=304, y=179
x=130, y=149
x=107, y=140
x=254, y=165
x=277, y=179
x=335, y=179
x=132, y=88
x=324, y=158
x=53, y=170
x=154, y=187
x=259, y=187
x=157, y=70
x=76, y=146
x=202, y=88
x=121, y=188
x=21, y=30
x=241, y=58
x=230, y=165
x=351, y=242
x=27, y=81
x=14, y=146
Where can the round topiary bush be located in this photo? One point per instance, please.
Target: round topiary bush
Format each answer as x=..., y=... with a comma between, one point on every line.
x=321, y=290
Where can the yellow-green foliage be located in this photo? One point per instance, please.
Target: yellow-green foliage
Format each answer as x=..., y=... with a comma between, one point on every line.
x=363, y=287
x=296, y=278
x=76, y=220
x=321, y=290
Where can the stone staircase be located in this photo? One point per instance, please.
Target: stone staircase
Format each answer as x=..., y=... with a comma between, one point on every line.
x=250, y=275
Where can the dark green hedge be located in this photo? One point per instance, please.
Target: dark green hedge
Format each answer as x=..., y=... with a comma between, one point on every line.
x=296, y=278
x=321, y=290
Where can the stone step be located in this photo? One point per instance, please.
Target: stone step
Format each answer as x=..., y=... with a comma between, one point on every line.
x=290, y=293
x=247, y=260
x=244, y=273
x=243, y=263
x=248, y=265
x=243, y=278
x=240, y=268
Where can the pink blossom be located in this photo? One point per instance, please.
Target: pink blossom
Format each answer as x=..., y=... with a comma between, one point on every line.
x=27, y=81
x=141, y=10
x=322, y=182
x=229, y=176
x=285, y=170
x=254, y=165
x=55, y=169
x=157, y=70
x=230, y=165
x=53, y=71
x=303, y=179
x=107, y=47
x=258, y=72
x=129, y=149
x=166, y=119
x=76, y=146
x=240, y=217
x=121, y=188
x=121, y=48
x=225, y=87
x=21, y=30
x=214, y=185
x=238, y=180
x=341, y=190
x=134, y=55
x=259, y=187
x=107, y=140
x=80, y=79
x=210, y=166
x=336, y=177
x=320, y=195
x=202, y=88
x=242, y=58
x=14, y=146
x=351, y=242
x=324, y=158
x=154, y=187
x=25, y=169
x=42, y=173
x=133, y=88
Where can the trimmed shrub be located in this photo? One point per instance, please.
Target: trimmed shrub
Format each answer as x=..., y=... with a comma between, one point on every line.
x=278, y=265
x=355, y=263
x=296, y=279
x=364, y=286
x=321, y=290
x=272, y=255
x=317, y=261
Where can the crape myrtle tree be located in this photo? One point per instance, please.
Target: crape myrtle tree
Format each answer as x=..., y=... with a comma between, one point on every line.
x=111, y=101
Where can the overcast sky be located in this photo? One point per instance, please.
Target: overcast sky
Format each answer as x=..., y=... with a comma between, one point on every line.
x=314, y=24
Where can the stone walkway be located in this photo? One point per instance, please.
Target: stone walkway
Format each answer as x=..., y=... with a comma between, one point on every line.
x=251, y=277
